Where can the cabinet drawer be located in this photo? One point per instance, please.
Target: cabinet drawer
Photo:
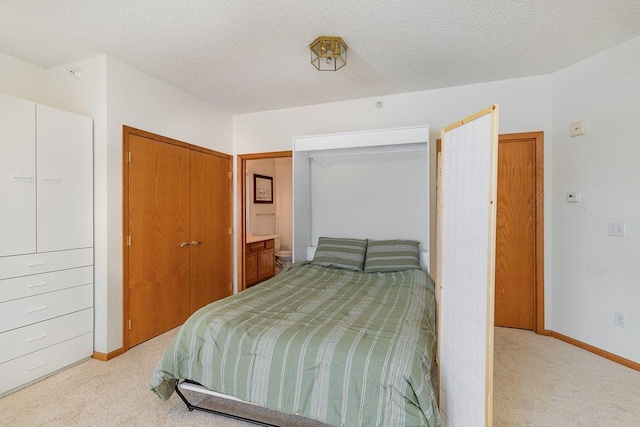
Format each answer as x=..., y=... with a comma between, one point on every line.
x=28, y=339
x=255, y=247
x=23, y=265
x=268, y=244
x=27, y=311
x=26, y=286
x=39, y=364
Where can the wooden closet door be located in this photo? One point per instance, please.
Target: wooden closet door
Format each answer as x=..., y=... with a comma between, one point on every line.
x=159, y=229
x=515, y=303
x=210, y=220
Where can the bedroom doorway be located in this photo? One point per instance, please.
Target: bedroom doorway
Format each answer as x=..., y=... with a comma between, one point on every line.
x=519, y=287
x=265, y=223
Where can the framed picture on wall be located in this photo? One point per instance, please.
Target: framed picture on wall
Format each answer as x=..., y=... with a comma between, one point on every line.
x=262, y=189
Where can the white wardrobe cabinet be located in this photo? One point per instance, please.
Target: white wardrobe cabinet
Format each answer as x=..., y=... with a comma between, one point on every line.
x=46, y=241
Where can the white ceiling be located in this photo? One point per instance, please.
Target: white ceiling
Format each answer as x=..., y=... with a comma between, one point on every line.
x=252, y=55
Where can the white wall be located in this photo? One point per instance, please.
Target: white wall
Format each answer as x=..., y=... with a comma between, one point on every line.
x=524, y=106
x=21, y=79
x=595, y=275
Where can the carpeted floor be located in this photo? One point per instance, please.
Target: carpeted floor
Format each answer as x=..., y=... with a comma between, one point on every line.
x=539, y=381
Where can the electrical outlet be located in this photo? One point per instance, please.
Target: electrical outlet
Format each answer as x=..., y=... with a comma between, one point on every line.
x=573, y=197
x=577, y=129
x=619, y=320
x=616, y=229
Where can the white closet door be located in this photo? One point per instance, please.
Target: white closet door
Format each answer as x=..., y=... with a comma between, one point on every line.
x=17, y=177
x=65, y=180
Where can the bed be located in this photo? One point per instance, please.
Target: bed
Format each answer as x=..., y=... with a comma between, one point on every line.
x=343, y=347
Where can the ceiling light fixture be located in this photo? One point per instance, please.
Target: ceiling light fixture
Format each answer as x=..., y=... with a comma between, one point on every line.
x=328, y=53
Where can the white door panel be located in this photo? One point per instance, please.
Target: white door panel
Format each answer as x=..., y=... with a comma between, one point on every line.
x=65, y=180
x=17, y=177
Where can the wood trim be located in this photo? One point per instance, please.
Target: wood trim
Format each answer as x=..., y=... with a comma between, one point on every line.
x=595, y=350
x=468, y=119
x=242, y=208
x=491, y=277
x=108, y=356
x=126, y=132
x=241, y=171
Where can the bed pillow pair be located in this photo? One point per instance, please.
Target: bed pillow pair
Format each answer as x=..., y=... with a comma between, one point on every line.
x=373, y=256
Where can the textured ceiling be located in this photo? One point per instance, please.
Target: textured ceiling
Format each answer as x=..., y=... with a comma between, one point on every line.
x=252, y=55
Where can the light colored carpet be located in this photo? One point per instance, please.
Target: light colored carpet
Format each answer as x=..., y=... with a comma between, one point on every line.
x=539, y=381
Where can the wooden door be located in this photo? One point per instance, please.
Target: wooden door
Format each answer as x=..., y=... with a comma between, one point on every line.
x=158, y=223
x=515, y=298
x=210, y=221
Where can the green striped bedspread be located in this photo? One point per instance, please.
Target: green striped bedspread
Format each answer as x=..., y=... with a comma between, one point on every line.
x=342, y=347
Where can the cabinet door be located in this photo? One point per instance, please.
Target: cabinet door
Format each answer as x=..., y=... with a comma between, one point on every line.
x=17, y=176
x=210, y=220
x=64, y=179
x=266, y=266
x=250, y=268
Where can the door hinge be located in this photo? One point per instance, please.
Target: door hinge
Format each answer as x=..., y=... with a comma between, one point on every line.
x=128, y=240
x=129, y=323
x=230, y=231
x=230, y=175
x=129, y=156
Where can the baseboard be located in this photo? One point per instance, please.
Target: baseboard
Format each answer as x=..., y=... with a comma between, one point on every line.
x=613, y=357
x=106, y=357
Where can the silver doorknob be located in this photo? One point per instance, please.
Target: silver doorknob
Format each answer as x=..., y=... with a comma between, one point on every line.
x=184, y=244
x=194, y=243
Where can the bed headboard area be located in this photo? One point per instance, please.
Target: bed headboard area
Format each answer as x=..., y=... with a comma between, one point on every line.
x=370, y=184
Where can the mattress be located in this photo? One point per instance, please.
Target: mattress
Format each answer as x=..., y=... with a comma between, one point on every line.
x=342, y=347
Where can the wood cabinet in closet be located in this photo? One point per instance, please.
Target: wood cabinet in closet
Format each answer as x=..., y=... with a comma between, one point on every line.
x=46, y=241
x=177, y=232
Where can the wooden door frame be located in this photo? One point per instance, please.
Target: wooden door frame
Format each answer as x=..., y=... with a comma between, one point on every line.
x=538, y=138
x=242, y=206
x=128, y=131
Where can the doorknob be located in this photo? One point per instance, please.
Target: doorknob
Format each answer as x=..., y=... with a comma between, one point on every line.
x=194, y=243
x=184, y=244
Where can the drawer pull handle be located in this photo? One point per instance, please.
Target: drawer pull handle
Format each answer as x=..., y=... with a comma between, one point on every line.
x=33, y=310
x=24, y=178
x=37, y=285
x=184, y=244
x=37, y=264
x=196, y=243
x=36, y=338
x=51, y=179
x=39, y=365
